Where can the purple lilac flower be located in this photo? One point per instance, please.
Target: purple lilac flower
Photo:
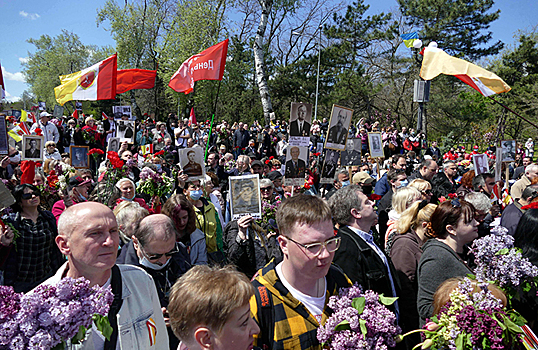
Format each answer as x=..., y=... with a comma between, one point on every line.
x=9, y=303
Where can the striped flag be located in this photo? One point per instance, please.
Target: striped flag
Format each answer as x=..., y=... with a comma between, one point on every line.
x=97, y=82
x=18, y=131
x=27, y=117
x=436, y=62
x=409, y=38
x=147, y=149
x=192, y=118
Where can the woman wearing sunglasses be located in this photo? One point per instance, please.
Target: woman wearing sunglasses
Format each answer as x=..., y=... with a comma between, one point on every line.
x=33, y=256
x=452, y=226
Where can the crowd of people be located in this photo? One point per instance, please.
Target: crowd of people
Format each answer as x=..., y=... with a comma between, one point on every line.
x=186, y=274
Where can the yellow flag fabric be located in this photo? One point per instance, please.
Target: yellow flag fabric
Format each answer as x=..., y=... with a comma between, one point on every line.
x=24, y=115
x=16, y=133
x=436, y=62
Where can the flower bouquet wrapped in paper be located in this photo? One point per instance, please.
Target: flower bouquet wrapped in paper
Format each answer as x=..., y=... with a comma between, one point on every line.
x=50, y=315
x=360, y=320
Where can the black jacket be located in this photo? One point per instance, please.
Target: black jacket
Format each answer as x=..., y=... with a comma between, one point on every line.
x=442, y=186
x=362, y=264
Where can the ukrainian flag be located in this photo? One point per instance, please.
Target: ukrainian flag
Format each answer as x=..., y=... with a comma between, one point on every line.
x=409, y=38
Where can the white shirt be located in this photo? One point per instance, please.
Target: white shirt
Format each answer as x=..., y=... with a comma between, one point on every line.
x=314, y=305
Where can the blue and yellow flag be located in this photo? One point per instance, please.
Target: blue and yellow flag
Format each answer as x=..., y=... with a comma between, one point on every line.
x=409, y=38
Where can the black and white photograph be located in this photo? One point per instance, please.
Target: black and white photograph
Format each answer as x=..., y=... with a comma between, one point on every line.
x=4, y=143
x=42, y=106
x=191, y=161
x=480, y=163
x=509, y=150
x=58, y=111
x=245, y=198
x=375, y=144
x=78, y=105
x=295, y=166
x=352, y=154
x=329, y=166
x=79, y=157
x=113, y=144
x=300, y=119
x=126, y=130
x=319, y=147
x=119, y=111
x=338, y=128
x=32, y=146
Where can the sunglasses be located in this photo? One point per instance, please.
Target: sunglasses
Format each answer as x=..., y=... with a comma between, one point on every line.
x=29, y=195
x=158, y=256
x=265, y=188
x=455, y=203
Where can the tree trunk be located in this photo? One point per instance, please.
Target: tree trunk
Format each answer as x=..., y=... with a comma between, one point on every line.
x=259, y=60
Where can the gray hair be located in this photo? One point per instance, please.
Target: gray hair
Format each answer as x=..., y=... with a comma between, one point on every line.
x=342, y=201
x=153, y=225
x=479, y=201
x=266, y=182
x=339, y=171
x=530, y=192
x=448, y=163
x=530, y=167
x=128, y=215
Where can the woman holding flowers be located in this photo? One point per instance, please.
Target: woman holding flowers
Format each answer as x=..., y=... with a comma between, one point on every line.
x=452, y=226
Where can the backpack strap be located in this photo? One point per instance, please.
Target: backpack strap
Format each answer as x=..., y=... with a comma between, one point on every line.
x=266, y=316
x=116, y=284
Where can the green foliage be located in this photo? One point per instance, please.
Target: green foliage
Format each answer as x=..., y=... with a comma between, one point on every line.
x=458, y=26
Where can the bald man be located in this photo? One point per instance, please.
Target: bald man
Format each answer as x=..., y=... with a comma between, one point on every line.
x=88, y=236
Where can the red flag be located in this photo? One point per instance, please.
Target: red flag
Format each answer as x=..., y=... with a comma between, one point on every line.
x=130, y=79
x=207, y=65
x=75, y=114
x=2, y=86
x=28, y=171
x=103, y=115
x=192, y=118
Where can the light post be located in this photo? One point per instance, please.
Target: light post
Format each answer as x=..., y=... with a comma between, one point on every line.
x=319, y=60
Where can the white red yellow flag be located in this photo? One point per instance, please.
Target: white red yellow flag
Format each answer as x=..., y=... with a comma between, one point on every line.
x=97, y=82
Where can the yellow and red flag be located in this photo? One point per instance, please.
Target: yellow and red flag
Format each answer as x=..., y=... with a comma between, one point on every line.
x=97, y=82
x=436, y=62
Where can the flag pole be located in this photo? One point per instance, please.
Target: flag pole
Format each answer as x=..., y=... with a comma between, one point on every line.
x=212, y=117
x=510, y=110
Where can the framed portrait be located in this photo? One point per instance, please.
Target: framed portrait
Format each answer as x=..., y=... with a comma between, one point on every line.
x=295, y=165
x=113, y=144
x=245, y=197
x=338, y=129
x=352, y=154
x=119, y=111
x=375, y=144
x=58, y=111
x=480, y=163
x=4, y=143
x=126, y=130
x=329, y=166
x=319, y=147
x=33, y=147
x=300, y=119
x=191, y=160
x=508, y=150
x=80, y=159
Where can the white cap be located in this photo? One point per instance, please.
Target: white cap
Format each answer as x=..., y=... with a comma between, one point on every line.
x=45, y=114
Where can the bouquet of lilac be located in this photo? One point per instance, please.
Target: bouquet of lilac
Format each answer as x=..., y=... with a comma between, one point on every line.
x=472, y=318
x=360, y=320
x=498, y=260
x=51, y=314
x=154, y=184
x=268, y=220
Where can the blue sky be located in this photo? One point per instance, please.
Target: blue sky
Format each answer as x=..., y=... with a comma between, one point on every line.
x=32, y=18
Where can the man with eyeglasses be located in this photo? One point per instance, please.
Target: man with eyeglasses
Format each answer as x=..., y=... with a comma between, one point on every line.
x=154, y=248
x=359, y=256
x=290, y=299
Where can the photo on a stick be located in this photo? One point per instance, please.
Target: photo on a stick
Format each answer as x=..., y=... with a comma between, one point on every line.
x=245, y=197
x=338, y=128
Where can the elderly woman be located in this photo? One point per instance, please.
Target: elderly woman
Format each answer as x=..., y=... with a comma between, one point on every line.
x=33, y=256
x=209, y=309
x=127, y=191
x=128, y=215
x=51, y=152
x=267, y=191
x=181, y=211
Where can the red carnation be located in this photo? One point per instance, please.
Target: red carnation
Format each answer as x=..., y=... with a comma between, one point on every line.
x=95, y=151
x=374, y=197
x=38, y=131
x=452, y=195
x=38, y=165
x=161, y=152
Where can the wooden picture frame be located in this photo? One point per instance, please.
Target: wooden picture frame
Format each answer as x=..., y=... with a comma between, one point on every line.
x=31, y=151
x=79, y=157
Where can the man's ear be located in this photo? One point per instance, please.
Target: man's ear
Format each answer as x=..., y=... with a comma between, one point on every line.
x=63, y=245
x=203, y=337
x=356, y=214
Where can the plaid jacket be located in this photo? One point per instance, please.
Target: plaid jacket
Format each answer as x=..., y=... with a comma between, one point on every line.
x=278, y=313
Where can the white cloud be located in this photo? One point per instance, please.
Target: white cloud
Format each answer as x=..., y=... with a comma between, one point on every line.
x=23, y=59
x=32, y=16
x=18, y=76
x=11, y=98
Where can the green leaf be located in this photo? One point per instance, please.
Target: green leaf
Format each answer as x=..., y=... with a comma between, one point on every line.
x=358, y=304
x=471, y=276
x=527, y=286
x=103, y=325
x=459, y=341
x=503, y=251
x=387, y=300
x=484, y=343
x=517, y=318
x=511, y=325
x=81, y=334
x=362, y=324
x=342, y=326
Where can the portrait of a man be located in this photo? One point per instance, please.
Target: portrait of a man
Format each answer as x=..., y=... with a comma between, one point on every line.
x=245, y=196
x=33, y=147
x=329, y=166
x=192, y=168
x=374, y=141
x=509, y=150
x=79, y=156
x=295, y=167
x=480, y=163
x=126, y=130
x=338, y=128
x=191, y=160
x=352, y=154
x=300, y=120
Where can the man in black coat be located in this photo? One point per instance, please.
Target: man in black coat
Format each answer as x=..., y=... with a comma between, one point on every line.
x=338, y=133
x=240, y=139
x=295, y=167
x=300, y=127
